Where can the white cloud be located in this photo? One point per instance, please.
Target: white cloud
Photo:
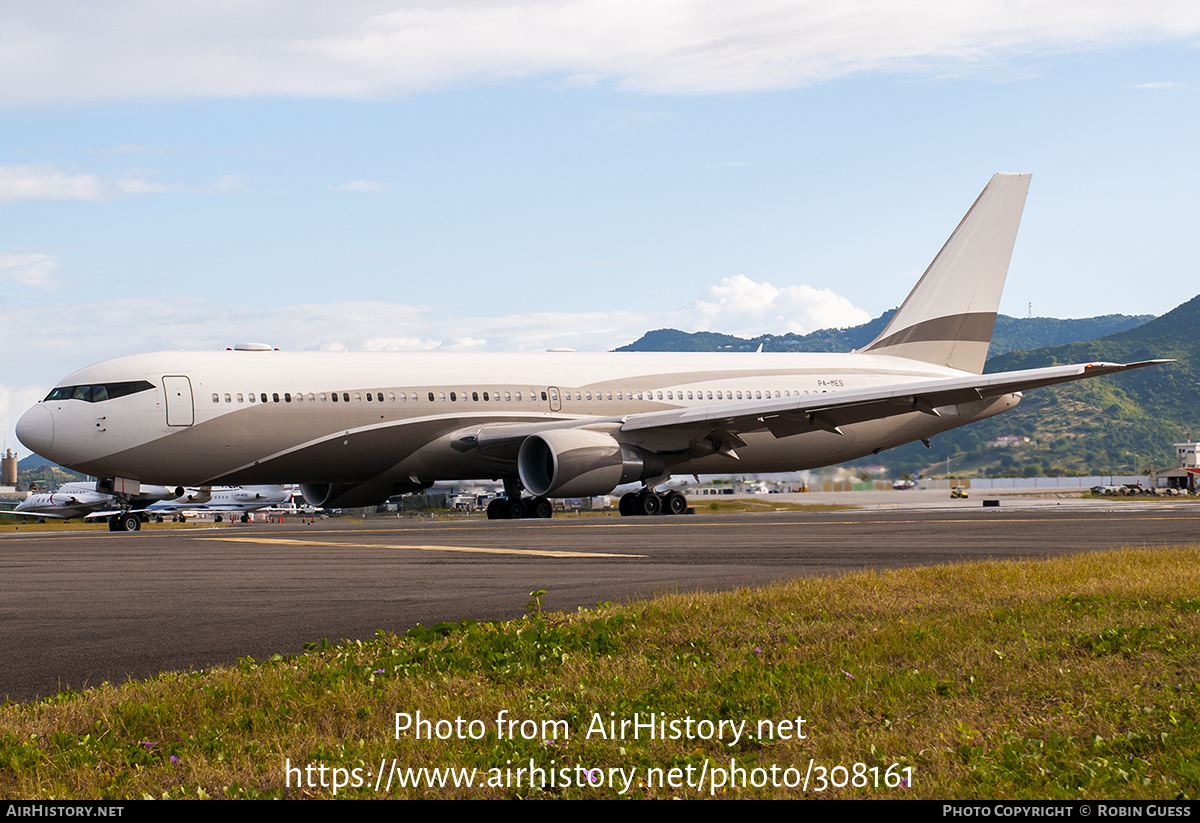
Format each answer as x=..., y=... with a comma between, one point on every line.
x=37, y=181
x=363, y=48
x=360, y=185
x=42, y=181
x=740, y=306
x=33, y=269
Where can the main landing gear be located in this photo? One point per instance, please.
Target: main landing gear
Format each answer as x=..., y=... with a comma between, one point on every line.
x=128, y=522
x=648, y=502
x=519, y=508
x=514, y=507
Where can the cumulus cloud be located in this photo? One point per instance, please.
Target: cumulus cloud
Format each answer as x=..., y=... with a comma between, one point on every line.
x=741, y=306
x=362, y=48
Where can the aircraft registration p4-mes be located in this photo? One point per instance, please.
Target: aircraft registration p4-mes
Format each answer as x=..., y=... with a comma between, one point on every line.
x=356, y=428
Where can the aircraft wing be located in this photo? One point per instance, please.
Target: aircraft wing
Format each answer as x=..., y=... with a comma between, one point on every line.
x=827, y=411
x=35, y=514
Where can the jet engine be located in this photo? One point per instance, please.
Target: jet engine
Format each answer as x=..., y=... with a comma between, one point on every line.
x=581, y=463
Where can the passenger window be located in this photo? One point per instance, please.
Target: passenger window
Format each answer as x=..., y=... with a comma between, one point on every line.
x=345, y=397
x=215, y=398
x=379, y=396
x=507, y=396
x=275, y=396
x=251, y=397
x=518, y=397
x=453, y=397
x=368, y=397
x=431, y=397
x=262, y=396
x=240, y=398
x=228, y=399
x=287, y=397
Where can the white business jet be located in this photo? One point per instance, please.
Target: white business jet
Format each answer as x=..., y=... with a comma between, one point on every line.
x=83, y=500
x=356, y=428
x=234, y=501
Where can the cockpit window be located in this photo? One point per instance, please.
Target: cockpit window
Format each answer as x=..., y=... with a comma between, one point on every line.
x=100, y=393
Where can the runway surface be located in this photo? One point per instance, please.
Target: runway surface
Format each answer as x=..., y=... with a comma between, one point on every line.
x=81, y=608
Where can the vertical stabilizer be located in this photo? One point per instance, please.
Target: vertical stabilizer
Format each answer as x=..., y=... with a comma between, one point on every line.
x=948, y=318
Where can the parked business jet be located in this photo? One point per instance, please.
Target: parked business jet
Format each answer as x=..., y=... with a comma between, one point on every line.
x=233, y=500
x=84, y=501
x=356, y=428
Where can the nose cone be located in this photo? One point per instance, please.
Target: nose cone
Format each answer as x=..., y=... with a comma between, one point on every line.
x=36, y=430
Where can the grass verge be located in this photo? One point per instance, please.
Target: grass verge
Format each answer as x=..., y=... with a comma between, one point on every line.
x=1069, y=678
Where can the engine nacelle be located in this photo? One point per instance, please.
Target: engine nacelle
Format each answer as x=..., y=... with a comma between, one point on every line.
x=354, y=495
x=581, y=463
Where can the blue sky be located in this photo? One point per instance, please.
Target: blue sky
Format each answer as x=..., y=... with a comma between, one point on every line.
x=499, y=175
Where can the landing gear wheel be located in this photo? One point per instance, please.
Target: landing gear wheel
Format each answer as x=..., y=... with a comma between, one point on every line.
x=648, y=503
x=497, y=509
x=628, y=504
x=245, y=518
x=217, y=518
x=516, y=509
x=124, y=523
x=541, y=508
x=675, y=503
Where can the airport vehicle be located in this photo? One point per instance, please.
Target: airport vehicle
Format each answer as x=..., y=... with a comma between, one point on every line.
x=356, y=428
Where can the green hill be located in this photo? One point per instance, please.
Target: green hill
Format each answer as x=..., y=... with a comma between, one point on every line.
x=1010, y=333
x=1102, y=426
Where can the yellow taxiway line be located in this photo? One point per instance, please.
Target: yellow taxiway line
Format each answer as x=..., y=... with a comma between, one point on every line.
x=419, y=548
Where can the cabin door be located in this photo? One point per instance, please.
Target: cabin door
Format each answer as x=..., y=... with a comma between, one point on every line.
x=555, y=401
x=178, y=391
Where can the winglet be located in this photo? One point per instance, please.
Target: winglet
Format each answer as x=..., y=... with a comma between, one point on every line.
x=948, y=317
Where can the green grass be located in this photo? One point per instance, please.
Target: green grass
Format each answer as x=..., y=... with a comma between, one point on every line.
x=1073, y=678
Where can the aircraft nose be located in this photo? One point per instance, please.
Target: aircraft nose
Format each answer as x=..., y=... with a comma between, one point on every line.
x=36, y=430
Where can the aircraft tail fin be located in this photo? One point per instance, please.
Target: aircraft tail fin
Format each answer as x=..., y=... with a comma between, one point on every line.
x=949, y=316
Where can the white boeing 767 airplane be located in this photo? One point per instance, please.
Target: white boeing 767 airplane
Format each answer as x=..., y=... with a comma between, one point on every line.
x=356, y=428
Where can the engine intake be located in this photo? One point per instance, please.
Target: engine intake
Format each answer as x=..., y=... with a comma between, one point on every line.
x=581, y=463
